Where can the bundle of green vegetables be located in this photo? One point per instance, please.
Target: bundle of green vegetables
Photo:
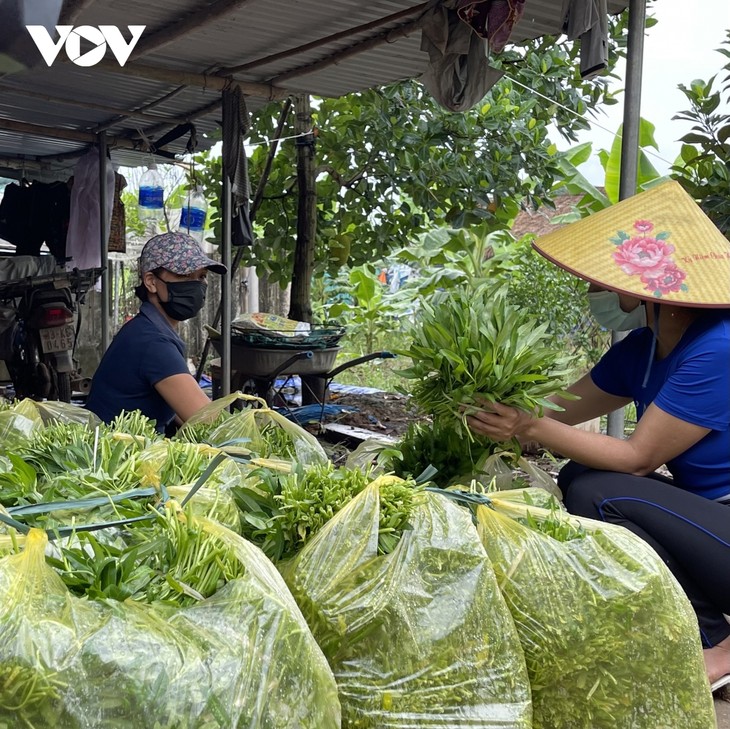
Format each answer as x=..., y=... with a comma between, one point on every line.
x=168, y=559
x=471, y=346
x=417, y=634
x=20, y=420
x=243, y=657
x=283, y=508
x=609, y=637
x=439, y=447
x=102, y=474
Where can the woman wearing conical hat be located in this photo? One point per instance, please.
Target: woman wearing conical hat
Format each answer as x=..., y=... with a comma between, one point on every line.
x=658, y=266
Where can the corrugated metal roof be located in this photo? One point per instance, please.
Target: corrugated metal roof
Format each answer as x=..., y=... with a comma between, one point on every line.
x=250, y=31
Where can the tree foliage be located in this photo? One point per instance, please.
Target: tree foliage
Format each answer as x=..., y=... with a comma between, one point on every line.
x=704, y=164
x=392, y=163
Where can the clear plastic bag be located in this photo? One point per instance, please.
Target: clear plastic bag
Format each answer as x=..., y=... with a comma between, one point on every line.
x=416, y=638
x=53, y=411
x=610, y=639
x=260, y=430
x=498, y=472
x=243, y=658
x=18, y=424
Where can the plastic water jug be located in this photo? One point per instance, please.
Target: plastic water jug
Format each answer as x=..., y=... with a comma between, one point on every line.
x=150, y=202
x=192, y=216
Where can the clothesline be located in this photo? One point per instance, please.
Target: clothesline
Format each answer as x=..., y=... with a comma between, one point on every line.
x=582, y=116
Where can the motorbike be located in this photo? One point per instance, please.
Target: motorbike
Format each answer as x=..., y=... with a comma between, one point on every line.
x=41, y=317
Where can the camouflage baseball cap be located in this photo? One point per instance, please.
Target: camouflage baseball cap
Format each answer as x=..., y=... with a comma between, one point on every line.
x=178, y=253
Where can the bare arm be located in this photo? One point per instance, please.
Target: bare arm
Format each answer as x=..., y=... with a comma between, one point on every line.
x=658, y=438
x=593, y=403
x=182, y=394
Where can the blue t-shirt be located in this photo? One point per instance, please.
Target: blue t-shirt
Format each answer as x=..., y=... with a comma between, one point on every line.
x=145, y=351
x=692, y=383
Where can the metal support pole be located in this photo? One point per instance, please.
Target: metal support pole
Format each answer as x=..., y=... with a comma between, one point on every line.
x=630, y=143
x=632, y=100
x=252, y=295
x=103, y=234
x=226, y=285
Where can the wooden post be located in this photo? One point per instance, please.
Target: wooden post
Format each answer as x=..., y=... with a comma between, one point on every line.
x=301, y=285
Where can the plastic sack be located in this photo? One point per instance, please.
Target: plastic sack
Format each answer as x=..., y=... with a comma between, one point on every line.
x=261, y=430
x=18, y=424
x=610, y=639
x=498, y=471
x=53, y=411
x=416, y=638
x=242, y=658
x=215, y=503
x=373, y=455
x=272, y=324
x=20, y=421
x=174, y=463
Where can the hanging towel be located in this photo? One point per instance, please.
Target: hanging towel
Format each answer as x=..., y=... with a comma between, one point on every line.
x=83, y=241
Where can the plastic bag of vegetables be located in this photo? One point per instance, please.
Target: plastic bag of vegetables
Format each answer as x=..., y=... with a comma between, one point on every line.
x=418, y=636
x=243, y=657
x=610, y=640
x=258, y=428
x=18, y=423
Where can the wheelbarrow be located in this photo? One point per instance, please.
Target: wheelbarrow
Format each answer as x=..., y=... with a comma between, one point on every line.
x=255, y=370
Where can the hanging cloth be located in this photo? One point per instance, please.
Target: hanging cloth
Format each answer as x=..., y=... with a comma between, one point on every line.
x=236, y=124
x=34, y=214
x=83, y=242
x=588, y=20
x=458, y=75
x=491, y=19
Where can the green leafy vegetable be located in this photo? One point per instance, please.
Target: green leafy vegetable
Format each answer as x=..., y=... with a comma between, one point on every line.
x=609, y=637
x=471, y=346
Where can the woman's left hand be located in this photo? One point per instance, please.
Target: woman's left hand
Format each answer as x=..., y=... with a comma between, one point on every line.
x=498, y=422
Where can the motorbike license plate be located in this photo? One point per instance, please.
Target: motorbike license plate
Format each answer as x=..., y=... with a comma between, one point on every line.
x=57, y=339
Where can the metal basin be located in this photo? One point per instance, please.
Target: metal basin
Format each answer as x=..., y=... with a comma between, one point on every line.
x=259, y=362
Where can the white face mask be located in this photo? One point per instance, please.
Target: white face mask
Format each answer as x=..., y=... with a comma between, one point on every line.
x=607, y=311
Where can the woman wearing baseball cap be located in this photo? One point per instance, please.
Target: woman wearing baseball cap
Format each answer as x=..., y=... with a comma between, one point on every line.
x=145, y=367
x=657, y=265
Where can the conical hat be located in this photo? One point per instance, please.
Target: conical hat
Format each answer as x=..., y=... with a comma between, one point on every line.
x=656, y=245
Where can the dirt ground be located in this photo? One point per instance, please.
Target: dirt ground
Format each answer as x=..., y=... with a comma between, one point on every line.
x=389, y=414
x=385, y=413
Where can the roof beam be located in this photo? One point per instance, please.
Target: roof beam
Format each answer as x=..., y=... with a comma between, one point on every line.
x=387, y=36
x=81, y=104
x=266, y=60
x=180, y=28
x=196, y=80
x=122, y=115
x=69, y=135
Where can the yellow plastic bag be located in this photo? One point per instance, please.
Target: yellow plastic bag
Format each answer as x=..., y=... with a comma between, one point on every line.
x=610, y=639
x=260, y=430
x=18, y=423
x=243, y=658
x=416, y=638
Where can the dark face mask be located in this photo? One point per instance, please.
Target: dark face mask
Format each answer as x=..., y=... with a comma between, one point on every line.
x=184, y=299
